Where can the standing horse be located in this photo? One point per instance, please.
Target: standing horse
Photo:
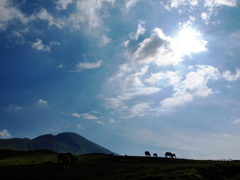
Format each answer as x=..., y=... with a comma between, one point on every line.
x=169, y=154
x=66, y=161
x=155, y=155
x=147, y=153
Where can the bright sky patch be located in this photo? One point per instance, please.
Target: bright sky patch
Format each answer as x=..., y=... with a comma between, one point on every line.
x=188, y=41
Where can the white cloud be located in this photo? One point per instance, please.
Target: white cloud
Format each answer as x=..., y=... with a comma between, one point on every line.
x=84, y=116
x=171, y=76
x=40, y=46
x=88, y=12
x=227, y=75
x=140, y=31
x=194, y=85
x=138, y=109
x=42, y=103
x=80, y=127
x=206, y=8
x=130, y=3
x=9, y=12
x=100, y=122
x=104, y=40
x=44, y=15
x=158, y=49
x=62, y=4
x=213, y=3
x=132, y=81
x=5, y=134
x=87, y=65
x=235, y=120
x=14, y=107
x=125, y=43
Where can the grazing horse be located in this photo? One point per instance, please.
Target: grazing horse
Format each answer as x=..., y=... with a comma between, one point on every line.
x=71, y=157
x=169, y=154
x=147, y=153
x=66, y=161
x=155, y=155
x=60, y=157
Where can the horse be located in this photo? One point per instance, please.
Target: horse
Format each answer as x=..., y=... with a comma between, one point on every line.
x=147, y=153
x=169, y=154
x=60, y=156
x=71, y=157
x=66, y=161
x=155, y=155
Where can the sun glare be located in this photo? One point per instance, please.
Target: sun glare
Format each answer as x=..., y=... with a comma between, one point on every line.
x=188, y=41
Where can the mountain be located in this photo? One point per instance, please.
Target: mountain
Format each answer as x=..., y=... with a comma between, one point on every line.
x=61, y=143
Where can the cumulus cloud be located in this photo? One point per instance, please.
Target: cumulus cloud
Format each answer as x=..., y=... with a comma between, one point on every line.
x=135, y=79
x=5, y=134
x=230, y=76
x=41, y=47
x=213, y=3
x=194, y=85
x=46, y=16
x=84, y=116
x=140, y=31
x=87, y=65
x=9, y=12
x=157, y=49
x=62, y=4
x=206, y=8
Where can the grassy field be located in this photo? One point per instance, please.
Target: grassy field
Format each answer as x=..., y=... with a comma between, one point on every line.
x=43, y=165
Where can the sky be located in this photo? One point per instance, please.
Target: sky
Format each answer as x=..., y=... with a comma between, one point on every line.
x=129, y=75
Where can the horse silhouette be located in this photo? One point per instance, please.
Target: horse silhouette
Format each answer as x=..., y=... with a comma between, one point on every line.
x=66, y=161
x=61, y=155
x=169, y=154
x=147, y=153
x=155, y=155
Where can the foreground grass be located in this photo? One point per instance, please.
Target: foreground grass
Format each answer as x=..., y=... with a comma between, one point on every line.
x=44, y=165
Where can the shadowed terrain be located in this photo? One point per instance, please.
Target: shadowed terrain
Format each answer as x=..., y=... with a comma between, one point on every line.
x=63, y=143
x=42, y=164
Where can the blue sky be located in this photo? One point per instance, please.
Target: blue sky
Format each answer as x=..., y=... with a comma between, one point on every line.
x=130, y=75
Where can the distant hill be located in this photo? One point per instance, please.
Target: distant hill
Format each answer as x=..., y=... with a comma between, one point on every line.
x=61, y=143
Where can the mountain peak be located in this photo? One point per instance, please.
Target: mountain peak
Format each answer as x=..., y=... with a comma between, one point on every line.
x=62, y=143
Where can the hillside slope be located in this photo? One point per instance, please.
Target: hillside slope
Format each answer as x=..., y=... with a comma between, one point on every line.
x=61, y=143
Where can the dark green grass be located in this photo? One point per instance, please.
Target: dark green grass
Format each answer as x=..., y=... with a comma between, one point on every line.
x=44, y=165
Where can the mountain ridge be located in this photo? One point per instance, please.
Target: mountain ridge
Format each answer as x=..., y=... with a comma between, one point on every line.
x=66, y=142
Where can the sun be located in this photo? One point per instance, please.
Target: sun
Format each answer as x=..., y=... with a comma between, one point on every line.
x=188, y=41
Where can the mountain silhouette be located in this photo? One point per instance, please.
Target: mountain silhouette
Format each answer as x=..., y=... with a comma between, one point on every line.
x=61, y=143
